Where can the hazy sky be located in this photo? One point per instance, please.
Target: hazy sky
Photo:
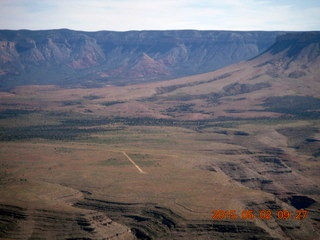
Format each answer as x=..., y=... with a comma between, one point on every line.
x=122, y=15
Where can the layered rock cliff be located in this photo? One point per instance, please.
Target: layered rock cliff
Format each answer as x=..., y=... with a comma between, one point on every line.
x=67, y=57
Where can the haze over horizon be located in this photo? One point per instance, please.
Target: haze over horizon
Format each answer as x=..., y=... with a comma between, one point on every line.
x=127, y=15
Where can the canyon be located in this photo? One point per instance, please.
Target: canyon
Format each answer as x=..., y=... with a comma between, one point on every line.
x=241, y=134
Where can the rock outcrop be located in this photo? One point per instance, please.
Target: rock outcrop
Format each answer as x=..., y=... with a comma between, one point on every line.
x=66, y=57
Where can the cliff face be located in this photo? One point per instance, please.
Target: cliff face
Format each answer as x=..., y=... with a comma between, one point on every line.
x=67, y=57
x=295, y=44
x=295, y=55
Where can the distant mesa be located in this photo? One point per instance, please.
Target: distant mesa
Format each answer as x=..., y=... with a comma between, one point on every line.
x=66, y=57
x=73, y=58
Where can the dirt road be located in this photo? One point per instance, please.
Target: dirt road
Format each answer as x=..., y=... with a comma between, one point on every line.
x=129, y=158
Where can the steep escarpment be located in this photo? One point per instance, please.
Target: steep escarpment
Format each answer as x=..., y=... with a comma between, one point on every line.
x=297, y=44
x=149, y=221
x=66, y=57
x=23, y=223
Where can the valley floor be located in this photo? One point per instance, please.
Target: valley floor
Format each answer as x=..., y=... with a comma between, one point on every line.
x=82, y=184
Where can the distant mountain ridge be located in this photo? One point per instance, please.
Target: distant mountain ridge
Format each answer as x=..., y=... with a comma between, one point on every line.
x=66, y=57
